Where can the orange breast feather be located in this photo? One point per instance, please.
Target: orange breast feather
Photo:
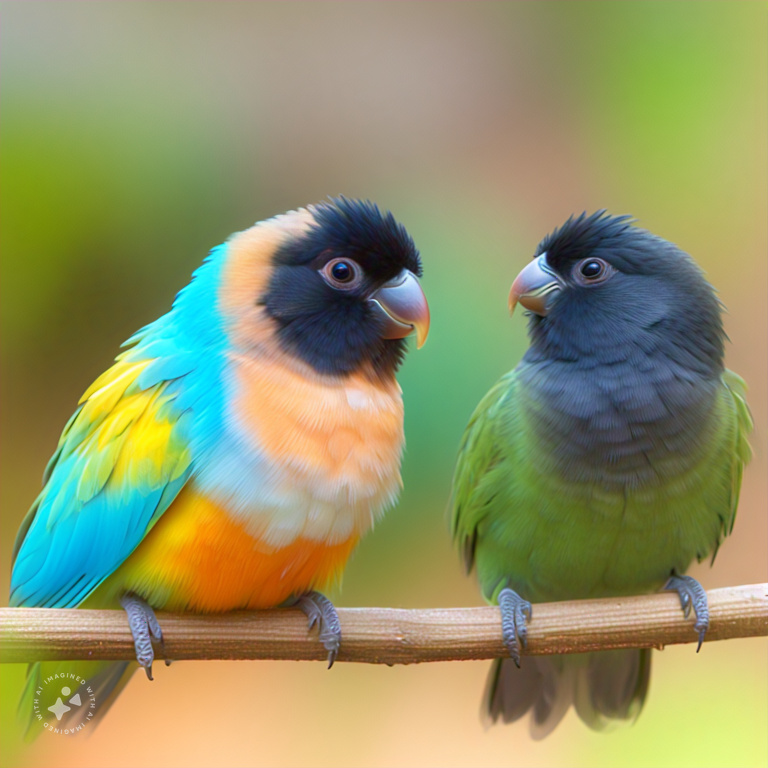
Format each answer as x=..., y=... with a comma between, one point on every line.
x=334, y=451
x=198, y=558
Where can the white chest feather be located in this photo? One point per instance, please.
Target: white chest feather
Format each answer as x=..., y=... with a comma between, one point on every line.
x=305, y=457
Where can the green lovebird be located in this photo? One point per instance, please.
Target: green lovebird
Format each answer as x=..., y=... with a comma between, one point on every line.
x=604, y=463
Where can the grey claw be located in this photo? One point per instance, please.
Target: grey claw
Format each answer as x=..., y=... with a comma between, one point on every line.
x=692, y=595
x=319, y=610
x=514, y=614
x=144, y=628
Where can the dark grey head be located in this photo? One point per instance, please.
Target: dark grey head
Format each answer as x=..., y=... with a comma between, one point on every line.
x=599, y=287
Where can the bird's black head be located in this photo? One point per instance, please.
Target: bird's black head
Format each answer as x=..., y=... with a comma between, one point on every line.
x=602, y=288
x=344, y=292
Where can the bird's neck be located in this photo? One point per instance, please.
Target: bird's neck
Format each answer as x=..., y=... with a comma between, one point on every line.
x=595, y=335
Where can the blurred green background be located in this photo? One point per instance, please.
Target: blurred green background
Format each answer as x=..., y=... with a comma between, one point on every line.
x=135, y=136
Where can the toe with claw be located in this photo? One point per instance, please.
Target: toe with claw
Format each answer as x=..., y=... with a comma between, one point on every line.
x=144, y=628
x=319, y=610
x=515, y=615
x=692, y=595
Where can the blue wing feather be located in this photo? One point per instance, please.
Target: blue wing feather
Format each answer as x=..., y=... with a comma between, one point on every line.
x=126, y=452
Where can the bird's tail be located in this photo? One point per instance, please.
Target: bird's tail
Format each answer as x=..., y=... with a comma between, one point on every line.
x=604, y=688
x=70, y=696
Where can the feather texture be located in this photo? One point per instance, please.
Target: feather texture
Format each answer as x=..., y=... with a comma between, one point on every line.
x=608, y=460
x=242, y=443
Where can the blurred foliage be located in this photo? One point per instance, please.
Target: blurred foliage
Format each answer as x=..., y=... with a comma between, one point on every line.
x=135, y=136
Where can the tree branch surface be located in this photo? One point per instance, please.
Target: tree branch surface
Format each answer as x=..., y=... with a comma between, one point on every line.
x=385, y=635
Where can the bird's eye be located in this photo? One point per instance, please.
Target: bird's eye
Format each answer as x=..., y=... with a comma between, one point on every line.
x=591, y=271
x=343, y=274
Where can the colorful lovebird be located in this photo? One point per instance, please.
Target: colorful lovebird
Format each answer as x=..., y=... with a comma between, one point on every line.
x=604, y=463
x=237, y=451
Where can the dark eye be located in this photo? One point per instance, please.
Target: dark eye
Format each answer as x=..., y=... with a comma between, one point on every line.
x=342, y=274
x=591, y=271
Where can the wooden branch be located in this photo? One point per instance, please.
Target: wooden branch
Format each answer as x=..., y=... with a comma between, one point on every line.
x=386, y=635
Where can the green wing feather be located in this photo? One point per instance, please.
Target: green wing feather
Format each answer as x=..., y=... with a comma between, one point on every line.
x=741, y=451
x=480, y=451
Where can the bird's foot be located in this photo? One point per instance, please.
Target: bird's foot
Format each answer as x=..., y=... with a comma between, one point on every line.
x=692, y=595
x=144, y=628
x=319, y=610
x=515, y=615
